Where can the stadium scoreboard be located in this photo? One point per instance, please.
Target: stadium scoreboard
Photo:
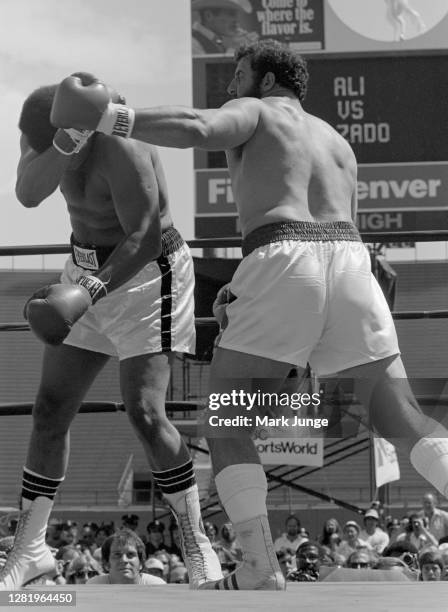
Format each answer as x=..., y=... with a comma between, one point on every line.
x=391, y=108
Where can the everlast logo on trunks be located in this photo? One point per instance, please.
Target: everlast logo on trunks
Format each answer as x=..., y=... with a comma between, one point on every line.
x=121, y=127
x=85, y=258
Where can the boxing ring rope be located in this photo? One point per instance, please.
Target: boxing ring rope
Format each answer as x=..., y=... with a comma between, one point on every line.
x=333, y=454
x=211, y=243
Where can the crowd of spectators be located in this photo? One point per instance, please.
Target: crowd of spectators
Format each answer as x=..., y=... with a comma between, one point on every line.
x=415, y=545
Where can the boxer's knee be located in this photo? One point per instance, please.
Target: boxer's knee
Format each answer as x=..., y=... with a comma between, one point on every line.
x=53, y=415
x=148, y=417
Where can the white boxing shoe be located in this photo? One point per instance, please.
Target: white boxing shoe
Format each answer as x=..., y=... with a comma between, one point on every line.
x=200, y=559
x=259, y=569
x=30, y=557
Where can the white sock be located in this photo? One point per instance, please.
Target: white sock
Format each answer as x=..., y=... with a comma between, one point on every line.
x=429, y=456
x=242, y=489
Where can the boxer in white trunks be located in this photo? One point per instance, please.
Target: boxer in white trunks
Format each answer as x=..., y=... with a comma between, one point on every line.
x=126, y=291
x=304, y=290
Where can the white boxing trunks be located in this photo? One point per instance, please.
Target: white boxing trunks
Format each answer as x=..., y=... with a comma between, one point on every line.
x=153, y=312
x=305, y=293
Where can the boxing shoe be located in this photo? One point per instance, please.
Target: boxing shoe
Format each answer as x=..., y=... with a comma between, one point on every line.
x=259, y=569
x=200, y=559
x=30, y=557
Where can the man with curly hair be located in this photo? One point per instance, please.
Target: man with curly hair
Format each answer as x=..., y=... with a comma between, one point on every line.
x=304, y=292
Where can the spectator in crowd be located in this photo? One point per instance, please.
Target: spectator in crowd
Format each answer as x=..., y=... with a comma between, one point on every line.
x=331, y=535
x=444, y=555
x=417, y=533
x=80, y=569
x=405, y=551
x=437, y=518
x=393, y=529
x=156, y=540
x=291, y=539
x=372, y=533
x=130, y=521
x=179, y=575
x=431, y=566
x=211, y=531
x=377, y=505
x=65, y=554
x=104, y=531
x=286, y=561
x=87, y=540
x=361, y=559
x=166, y=560
x=124, y=556
x=404, y=523
x=309, y=557
x=53, y=535
x=69, y=533
x=154, y=567
x=351, y=539
x=218, y=29
x=6, y=544
x=175, y=541
x=228, y=549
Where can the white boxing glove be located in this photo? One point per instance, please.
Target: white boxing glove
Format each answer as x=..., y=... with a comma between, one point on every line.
x=69, y=141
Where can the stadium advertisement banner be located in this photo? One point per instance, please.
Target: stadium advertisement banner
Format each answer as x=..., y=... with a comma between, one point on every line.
x=391, y=197
x=421, y=186
x=289, y=451
x=385, y=25
x=221, y=26
x=297, y=22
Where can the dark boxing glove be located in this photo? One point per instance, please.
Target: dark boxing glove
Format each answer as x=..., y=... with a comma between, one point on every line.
x=84, y=103
x=54, y=309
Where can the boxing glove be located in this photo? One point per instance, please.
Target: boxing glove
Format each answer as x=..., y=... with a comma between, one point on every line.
x=220, y=304
x=70, y=141
x=85, y=104
x=53, y=310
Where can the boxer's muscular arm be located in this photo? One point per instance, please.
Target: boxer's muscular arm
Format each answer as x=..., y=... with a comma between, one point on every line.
x=38, y=174
x=89, y=107
x=220, y=129
x=128, y=169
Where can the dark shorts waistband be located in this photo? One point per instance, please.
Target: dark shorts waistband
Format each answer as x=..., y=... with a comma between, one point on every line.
x=172, y=241
x=92, y=257
x=300, y=230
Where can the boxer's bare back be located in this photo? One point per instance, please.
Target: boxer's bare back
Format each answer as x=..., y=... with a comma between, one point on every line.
x=295, y=167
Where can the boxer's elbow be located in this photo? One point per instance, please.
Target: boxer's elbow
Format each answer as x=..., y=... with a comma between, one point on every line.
x=31, y=191
x=26, y=198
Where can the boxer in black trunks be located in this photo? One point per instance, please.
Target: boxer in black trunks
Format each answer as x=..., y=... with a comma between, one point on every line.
x=126, y=291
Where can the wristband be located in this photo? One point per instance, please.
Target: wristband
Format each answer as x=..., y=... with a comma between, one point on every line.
x=117, y=120
x=70, y=141
x=95, y=287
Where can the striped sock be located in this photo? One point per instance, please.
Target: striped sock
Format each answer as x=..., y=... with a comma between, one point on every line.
x=35, y=485
x=175, y=483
